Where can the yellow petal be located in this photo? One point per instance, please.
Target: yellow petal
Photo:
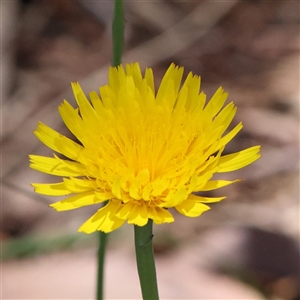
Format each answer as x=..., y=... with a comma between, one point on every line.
x=225, y=116
x=51, y=189
x=230, y=135
x=79, y=200
x=191, y=208
x=192, y=83
x=160, y=185
x=56, y=166
x=57, y=142
x=238, y=160
x=160, y=215
x=201, y=199
x=97, y=103
x=116, y=188
x=87, y=112
x=72, y=120
x=179, y=105
x=104, y=220
x=134, y=71
x=125, y=210
x=216, y=102
x=169, y=85
x=116, y=77
x=80, y=185
x=103, y=195
x=216, y=184
x=150, y=79
x=138, y=215
x=175, y=198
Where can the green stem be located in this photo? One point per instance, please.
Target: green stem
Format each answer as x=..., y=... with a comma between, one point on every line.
x=101, y=259
x=118, y=37
x=118, y=32
x=145, y=261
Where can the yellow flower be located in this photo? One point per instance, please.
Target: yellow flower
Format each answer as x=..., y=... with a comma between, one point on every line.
x=143, y=151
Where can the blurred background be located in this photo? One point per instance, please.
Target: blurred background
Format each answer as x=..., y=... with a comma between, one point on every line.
x=246, y=247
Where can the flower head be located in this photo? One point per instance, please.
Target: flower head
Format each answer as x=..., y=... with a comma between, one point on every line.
x=144, y=152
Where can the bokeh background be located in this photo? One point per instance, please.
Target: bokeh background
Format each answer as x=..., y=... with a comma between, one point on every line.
x=246, y=247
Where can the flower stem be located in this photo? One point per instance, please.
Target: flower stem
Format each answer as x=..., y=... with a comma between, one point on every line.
x=117, y=39
x=101, y=259
x=118, y=32
x=145, y=261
